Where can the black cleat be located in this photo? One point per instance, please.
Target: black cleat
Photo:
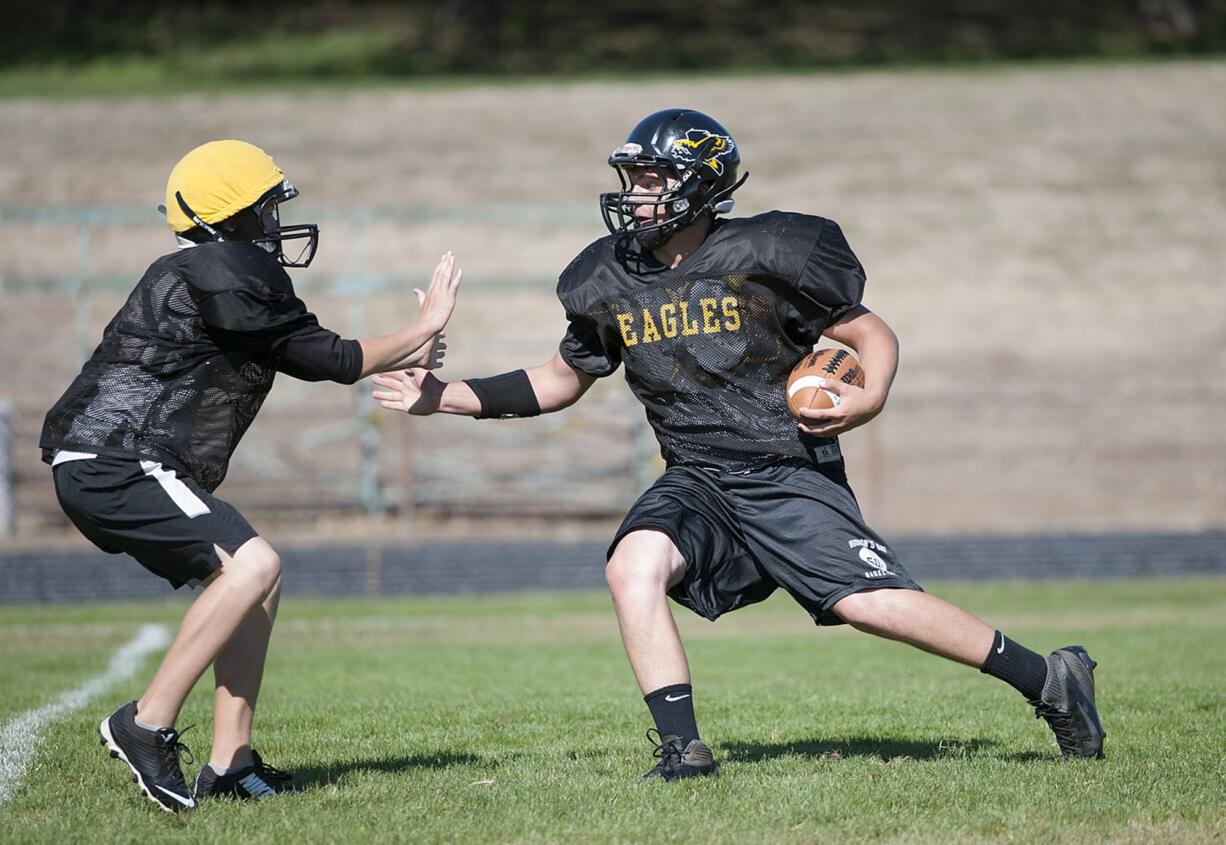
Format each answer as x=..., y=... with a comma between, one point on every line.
x=1067, y=703
x=256, y=781
x=676, y=762
x=153, y=757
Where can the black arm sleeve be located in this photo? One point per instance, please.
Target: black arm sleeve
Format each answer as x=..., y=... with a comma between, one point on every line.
x=279, y=324
x=320, y=355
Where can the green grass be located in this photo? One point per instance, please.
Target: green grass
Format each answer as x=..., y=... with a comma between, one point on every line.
x=515, y=718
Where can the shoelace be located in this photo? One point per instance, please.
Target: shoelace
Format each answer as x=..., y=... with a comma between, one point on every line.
x=178, y=752
x=270, y=772
x=669, y=753
x=1061, y=725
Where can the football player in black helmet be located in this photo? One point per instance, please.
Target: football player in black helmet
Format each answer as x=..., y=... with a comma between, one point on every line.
x=676, y=167
x=709, y=315
x=144, y=435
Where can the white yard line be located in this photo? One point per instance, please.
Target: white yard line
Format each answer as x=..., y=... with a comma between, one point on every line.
x=20, y=737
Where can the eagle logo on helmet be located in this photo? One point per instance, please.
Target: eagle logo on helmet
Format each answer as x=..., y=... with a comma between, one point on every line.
x=701, y=143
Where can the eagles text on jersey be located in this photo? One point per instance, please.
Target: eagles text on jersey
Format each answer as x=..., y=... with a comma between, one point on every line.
x=708, y=345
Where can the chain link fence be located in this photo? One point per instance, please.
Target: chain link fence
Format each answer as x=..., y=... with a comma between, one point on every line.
x=323, y=449
x=975, y=452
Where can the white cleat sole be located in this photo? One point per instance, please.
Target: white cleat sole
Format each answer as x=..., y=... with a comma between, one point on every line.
x=104, y=735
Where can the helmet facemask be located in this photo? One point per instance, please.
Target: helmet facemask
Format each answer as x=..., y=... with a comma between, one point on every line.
x=260, y=224
x=690, y=181
x=672, y=206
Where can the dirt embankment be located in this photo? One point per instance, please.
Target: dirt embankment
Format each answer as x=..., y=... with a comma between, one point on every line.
x=1047, y=243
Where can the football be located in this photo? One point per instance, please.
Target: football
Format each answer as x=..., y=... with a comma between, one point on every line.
x=803, y=390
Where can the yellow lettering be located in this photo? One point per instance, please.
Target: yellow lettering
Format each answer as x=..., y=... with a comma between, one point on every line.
x=668, y=319
x=625, y=322
x=732, y=317
x=687, y=328
x=708, y=304
x=650, y=333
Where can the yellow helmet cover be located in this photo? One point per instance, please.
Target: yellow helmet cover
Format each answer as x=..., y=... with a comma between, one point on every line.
x=218, y=180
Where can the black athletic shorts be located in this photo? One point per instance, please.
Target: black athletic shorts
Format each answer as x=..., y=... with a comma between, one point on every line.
x=743, y=534
x=166, y=521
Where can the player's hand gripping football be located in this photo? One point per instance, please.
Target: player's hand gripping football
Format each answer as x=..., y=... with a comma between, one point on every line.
x=856, y=406
x=437, y=304
x=414, y=391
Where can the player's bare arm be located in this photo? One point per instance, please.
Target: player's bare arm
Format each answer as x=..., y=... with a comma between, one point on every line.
x=554, y=384
x=877, y=347
x=418, y=344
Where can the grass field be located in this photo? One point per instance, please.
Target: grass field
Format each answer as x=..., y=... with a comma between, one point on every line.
x=515, y=718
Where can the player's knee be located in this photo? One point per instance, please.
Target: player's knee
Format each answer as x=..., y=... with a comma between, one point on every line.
x=258, y=563
x=268, y=570
x=626, y=573
x=640, y=562
x=864, y=609
x=274, y=592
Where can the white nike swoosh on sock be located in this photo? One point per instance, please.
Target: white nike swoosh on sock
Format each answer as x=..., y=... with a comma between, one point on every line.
x=186, y=802
x=678, y=698
x=1001, y=649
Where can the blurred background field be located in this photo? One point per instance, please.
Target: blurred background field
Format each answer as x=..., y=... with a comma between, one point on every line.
x=1043, y=234
x=1047, y=244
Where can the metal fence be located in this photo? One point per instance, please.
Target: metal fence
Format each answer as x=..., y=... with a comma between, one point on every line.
x=943, y=459
x=320, y=448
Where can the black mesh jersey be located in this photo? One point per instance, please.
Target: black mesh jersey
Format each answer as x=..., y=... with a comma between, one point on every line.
x=184, y=366
x=708, y=346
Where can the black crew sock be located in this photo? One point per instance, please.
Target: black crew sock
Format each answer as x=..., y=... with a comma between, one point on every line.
x=1017, y=666
x=673, y=710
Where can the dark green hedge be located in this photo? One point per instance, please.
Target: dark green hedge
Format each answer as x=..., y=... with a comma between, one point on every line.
x=542, y=36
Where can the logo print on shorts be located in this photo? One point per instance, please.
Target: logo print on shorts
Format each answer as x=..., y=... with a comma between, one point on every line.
x=870, y=553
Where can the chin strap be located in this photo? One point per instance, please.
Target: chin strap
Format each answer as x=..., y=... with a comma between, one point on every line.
x=714, y=201
x=187, y=209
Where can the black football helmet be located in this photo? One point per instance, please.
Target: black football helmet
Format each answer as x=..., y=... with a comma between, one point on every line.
x=687, y=147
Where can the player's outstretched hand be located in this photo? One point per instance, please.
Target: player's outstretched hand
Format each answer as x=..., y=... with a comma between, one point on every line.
x=438, y=301
x=856, y=407
x=413, y=391
x=436, y=305
x=428, y=356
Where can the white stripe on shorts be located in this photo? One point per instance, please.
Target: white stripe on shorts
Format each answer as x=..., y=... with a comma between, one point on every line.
x=62, y=457
x=179, y=492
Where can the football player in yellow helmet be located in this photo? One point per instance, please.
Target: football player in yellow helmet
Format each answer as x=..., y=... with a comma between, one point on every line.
x=143, y=436
x=232, y=190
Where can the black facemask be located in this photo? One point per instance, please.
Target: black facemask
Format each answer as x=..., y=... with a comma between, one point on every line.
x=260, y=224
